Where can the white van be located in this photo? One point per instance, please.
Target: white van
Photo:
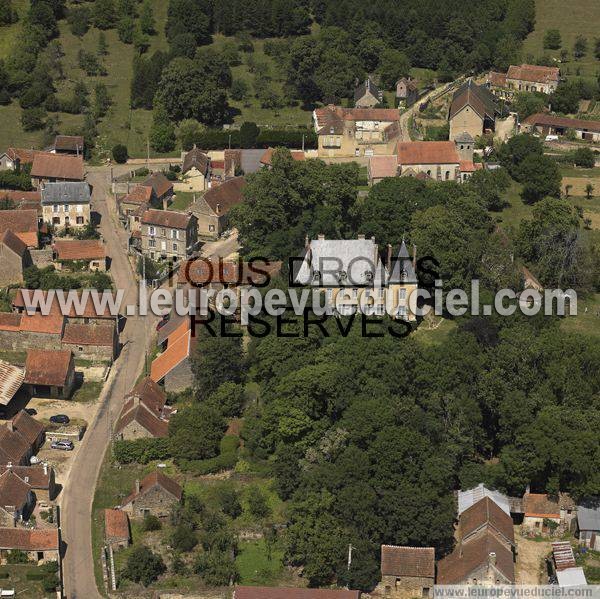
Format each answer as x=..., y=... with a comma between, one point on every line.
x=551, y=137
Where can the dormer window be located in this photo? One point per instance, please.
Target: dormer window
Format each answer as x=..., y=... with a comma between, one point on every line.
x=403, y=275
x=316, y=275
x=369, y=275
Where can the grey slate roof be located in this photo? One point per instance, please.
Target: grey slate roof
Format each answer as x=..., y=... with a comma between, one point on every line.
x=471, y=496
x=588, y=516
x=66, y=193
x=341, y=263
x=402, y=267
x=363, y=88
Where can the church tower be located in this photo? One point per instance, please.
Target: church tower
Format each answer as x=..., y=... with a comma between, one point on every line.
x=402, y=282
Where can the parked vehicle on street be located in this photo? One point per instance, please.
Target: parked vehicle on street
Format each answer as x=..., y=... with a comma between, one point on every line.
x=63, y=445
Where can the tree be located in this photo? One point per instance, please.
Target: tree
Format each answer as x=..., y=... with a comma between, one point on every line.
x=597, y=48
x=217, y=568
x=584, y=157
x=248, y=134
x=228, y=398
x=239, y=90
x=229, y=501
x=151, y=523
x=8, y=15
x=183, y=16
x=195, y=432
x=120, y=153
x=566, y=96
x=42, y=17
x=579, y=47
x=33, y=119
x=102, y=100
x=183, y=538
x=188, y=132
x=102, y=45
x=79, y=18
x=526, y=104
x=552, y=39
x=162, y=133
x=512, y=153
x=589, y=190
x=541, y=177
x=143, y=565
x=125, y=29
x=146, y=20
x=257, y=502
x=392, y=66
x=104, y=14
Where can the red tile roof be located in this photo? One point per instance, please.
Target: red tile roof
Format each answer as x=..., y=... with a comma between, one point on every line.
x=497, y=79
x=166, y=218
x=225, y=196
x=427, y=152
x=37, y=477
x=266, y=158
x=178, y=349
x=146, y=419
x=14, y=447
x=467, y=557
x=542, y=118
x=140, y=194
x=72, y=143
x=149, y=411
x=23, y=223
x=9, y=321
x=89, y=334
x=11, y=379
x=159, y=183
x=23, y=200
x=407, y=561
x=57, y=166
x=152, y=480
x=28, y=427
x=13, y=243
x=534, y=73
x=116, y=525
x=14, y=491
x=292, y=593
x=539, y=505
x=486, y=512
x=79, y=249
x=466, y=166
x=51, y=324
x=24, y=155
x=206, y=271
x=29, y=540
x=332, y=117
x=383, y=166
x=89, y=310
x=48, y=366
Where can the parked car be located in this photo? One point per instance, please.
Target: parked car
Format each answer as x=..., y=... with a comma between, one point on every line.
x=60, y=419
x=31, y=411
x=551, y=138
x=63, y=445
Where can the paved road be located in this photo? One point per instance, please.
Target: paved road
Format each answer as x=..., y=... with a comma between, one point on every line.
x=77, y=497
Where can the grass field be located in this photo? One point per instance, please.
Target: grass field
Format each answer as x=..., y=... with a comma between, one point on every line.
x=577, y=17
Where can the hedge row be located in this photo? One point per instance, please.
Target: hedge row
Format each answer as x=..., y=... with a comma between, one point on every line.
x=226, y=459
x=217, y=139
x=141, y=451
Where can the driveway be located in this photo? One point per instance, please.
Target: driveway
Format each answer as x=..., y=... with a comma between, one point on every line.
x=78, y=494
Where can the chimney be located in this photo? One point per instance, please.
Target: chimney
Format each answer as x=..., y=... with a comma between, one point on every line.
x=389, y=256
x=137, y=486
x=414, y=256
x=218, y=209
x=492, y=559
x=360, y=236
x=165, y=204
x=306, y=242
x=9, y=465
x=136, y=401
x=45, y=468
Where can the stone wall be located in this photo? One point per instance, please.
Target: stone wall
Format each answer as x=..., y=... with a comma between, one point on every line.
x=180, y=378
x=155, y=501
x=17, y=340
x=41, y=258
x=405, y=587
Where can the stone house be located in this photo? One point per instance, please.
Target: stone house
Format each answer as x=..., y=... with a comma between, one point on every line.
x=172, y=368
x=50, y=373
x=20, y=438
x=162, y=189
x=485, y=550
x=139, y=198
x=523, y=78
x=14, y=158
x=91, y=341
x=23, y=200
x=155, y=494
x=53, y=168
x=548, y=124
x=14, y=259
x=41, y=545
x=538, y=510
x=69, y=144
x=144, y=414
x=350, y=271
x=40, y=478
x=367, y=95
x=212, y=208
x=407, y=92
x=116, y=529
x=166, y=234
x=196, y=170
x=89, y=253
x=381, y=167
x=66, y=204
x=16, y=499
x=588, y=524
x=23, y=223
x=406, y=572
x=356, y=131
x=473, y=110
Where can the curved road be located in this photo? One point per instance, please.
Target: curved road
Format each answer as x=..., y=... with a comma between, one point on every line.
x=78, y=494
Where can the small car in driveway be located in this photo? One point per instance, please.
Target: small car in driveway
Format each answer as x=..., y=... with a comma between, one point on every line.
x=31, y=411
x=60, y=419
x=63, y=445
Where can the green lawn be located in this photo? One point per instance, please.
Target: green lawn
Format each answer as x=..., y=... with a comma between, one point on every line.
x=10, y=33
x=511, y=217
x=17, y=580
x=88, y=392
x=16, y=357
x=573, y=171
x=577, y=17
x=257, y=567
x=182, y=201
x=586, y=322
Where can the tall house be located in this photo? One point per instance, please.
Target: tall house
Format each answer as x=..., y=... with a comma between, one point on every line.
x=473, y=110
x=66, y=204
x=168, y=234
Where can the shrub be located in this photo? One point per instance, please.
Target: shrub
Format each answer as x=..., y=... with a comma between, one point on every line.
x=33, y=119
x=120, y=153
x=143, y=565
x=257, y=502
x=584, y=157
x=150, y=523
x=183, y=538
x=141, y=451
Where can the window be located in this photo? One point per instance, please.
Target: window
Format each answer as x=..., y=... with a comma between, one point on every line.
x=56, y=220
x=152, y=255
x=211, y=228
x=151, y=231
x=402, y=294
x=174, y=247
x=66, y=207
x=174, y=234
x=152, y=243
x=56, y=208
x=402, y=311
x=79, y=207
x=447, y=175
x=79, y=220
x=163, y=232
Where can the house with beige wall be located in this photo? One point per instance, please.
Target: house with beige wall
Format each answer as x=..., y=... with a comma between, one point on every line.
x=473, y=110
x=345, y=132
x=195, y=171
x=523, y=78
x=66, y=204
x=168, y=234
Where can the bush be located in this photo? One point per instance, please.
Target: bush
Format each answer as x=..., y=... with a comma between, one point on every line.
x=217, y=139
x=141, y=451
x=226, y=459
x=33, y=119
x=183, y=538
x=143, y=565
x=120, y=153
x=257, y=502
x=150, y=523
x=584, y=157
